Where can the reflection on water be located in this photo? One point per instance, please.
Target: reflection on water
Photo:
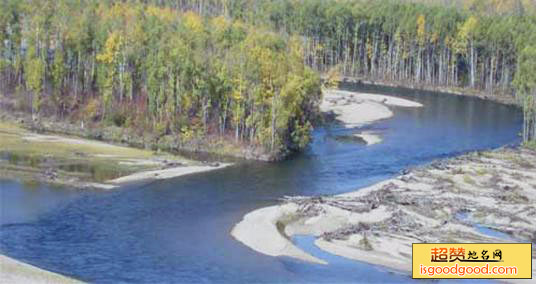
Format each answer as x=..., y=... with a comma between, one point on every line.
x=178, y=230
x=95, y=170
x=98, y=171
x=21, y=160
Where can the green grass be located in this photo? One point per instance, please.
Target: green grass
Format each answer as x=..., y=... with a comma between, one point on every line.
x=89, y=160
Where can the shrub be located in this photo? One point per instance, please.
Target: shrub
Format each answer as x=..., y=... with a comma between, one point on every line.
x=119, y=118
x=91, y=111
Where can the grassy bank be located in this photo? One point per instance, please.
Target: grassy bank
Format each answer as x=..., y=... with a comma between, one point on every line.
x=81, y=163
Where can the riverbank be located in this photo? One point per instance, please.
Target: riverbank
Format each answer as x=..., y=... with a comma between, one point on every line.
x=497, y=96
x=354, y=110
x=15, y=272
x=188, y=144
x=82, y=163
x=478, y=197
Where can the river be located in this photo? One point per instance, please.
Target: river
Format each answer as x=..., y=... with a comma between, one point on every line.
x=177, y=230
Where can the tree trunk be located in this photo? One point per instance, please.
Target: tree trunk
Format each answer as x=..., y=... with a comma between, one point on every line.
x=472, y=65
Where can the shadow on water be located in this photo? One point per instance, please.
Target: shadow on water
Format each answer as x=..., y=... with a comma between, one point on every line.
x=177, y=230
x=21, y=160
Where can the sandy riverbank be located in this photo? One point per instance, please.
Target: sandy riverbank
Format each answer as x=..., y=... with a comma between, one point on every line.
x=15, y=272
x=478, y=197
x=85, y=163
x=370, y=137
x=260, y=230
x=166, y=173
x=353, y=110
x=357, y=109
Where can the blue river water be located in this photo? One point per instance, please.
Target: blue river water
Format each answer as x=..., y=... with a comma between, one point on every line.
x=177, y=230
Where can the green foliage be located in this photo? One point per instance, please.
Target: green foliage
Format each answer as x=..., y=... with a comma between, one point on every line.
x=35, y=70
x=525, y=82
x=188, y=74
x=243, y=69
x=525, y=79
x=58, y=70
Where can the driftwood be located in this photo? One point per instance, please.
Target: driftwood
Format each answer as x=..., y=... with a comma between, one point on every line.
x=311, y=206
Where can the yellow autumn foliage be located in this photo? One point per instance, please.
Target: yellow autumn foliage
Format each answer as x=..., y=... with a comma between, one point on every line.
x=421, y=29
x=111, y=48
x=193, y=22
x=219, y=24
x=163, y=14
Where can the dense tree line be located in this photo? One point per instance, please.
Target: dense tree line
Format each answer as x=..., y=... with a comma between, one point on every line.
x=477, y=45
x=159, y=68
x=236, y=67
x=480, y=45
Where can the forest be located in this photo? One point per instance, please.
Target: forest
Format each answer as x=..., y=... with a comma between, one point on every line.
x=247, y=72
x=159, y=69
x=482, y=46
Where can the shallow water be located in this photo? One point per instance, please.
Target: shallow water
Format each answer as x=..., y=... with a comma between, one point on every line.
x=487, y=231
x=178, y=230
